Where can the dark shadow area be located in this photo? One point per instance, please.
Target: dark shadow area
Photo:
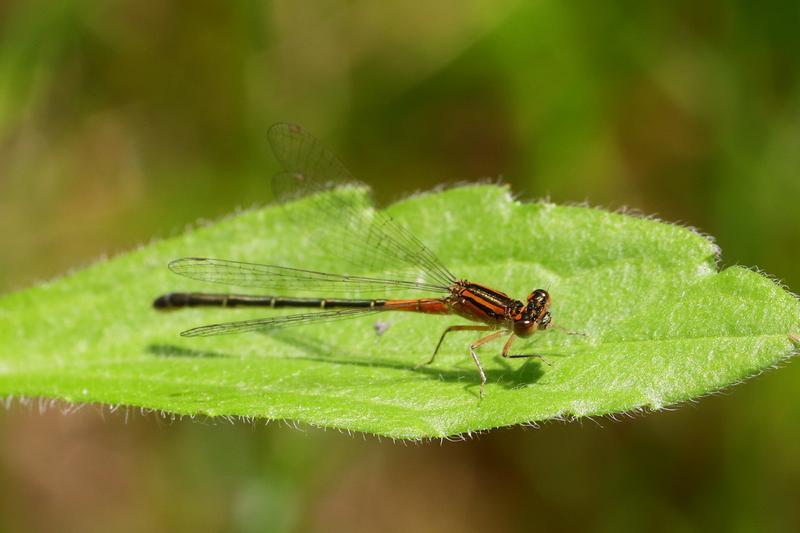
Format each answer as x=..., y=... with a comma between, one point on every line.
x=170, y=350
x=509, y=375
x=512, y=374
x=527, y=374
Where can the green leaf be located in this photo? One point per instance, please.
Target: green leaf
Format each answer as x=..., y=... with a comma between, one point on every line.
x=662, y=326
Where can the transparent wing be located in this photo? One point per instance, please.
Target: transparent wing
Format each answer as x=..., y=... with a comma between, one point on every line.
x=283, y=280
x=348, y=226
x=299, y=152
x=280, y=322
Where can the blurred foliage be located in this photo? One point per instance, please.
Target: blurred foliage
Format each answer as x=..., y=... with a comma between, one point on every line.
x=121, y=121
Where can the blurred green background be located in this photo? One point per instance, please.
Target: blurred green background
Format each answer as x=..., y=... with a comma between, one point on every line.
x=123, y=121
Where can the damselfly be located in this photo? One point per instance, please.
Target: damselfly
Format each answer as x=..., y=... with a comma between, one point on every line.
x=366, y=239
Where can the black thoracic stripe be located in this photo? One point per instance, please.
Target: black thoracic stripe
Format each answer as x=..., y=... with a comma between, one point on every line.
x=477, y=302
x=499, y=299
x=175, y=300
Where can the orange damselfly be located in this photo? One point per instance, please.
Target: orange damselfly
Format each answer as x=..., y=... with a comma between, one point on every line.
x=367, y=239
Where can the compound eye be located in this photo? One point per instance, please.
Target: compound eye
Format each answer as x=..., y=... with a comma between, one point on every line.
x=538, y=296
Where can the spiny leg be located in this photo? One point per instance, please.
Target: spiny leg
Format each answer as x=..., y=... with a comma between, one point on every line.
x=448, y=330
x=507, y=345
x=481, y=342
x=507, y=348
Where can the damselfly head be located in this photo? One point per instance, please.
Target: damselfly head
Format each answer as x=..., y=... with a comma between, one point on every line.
x=536, y=315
